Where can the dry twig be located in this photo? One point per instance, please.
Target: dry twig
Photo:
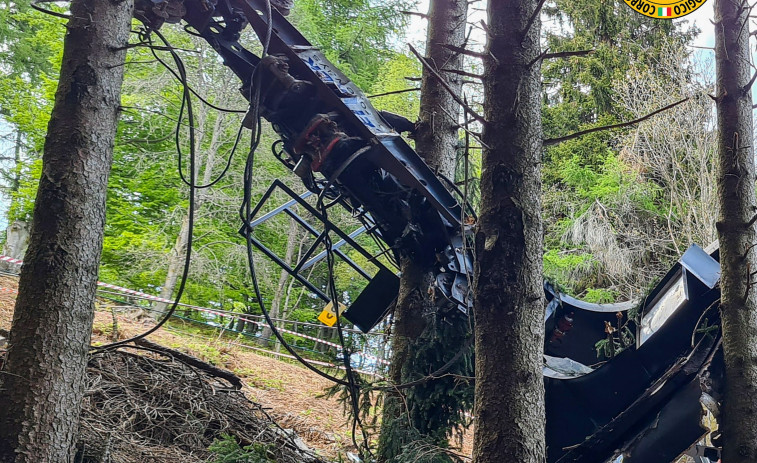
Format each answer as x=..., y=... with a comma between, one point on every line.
x=154, y=408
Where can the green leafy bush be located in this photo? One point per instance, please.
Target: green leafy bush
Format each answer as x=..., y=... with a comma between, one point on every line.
x=227, y=450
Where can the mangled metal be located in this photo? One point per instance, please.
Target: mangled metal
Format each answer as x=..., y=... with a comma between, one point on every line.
x=642, y=403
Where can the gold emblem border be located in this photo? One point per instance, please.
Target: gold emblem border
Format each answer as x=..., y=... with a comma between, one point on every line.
x=684, y=8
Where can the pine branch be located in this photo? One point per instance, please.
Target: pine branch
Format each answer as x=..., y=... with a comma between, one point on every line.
x=748, y=86
x=567, y=54
x=395, y=92
x=446, y=86
x=484, y=26
x=533, y=17
x=555, y=141
x=136, y=141
x=463, y=73
x=465, y=51
x=559, y=54
x=415, y=13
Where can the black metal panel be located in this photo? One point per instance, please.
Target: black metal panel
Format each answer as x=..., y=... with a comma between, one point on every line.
x=672, y=430
x=578, y=407
x=371, y=306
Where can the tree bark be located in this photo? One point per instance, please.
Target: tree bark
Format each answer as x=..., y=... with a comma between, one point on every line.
x=178, y=252
x=43, y=377
x=16, y=239
x=278, y=297
x=508, y=304
x=175, y=265
x=409, y=323
x=437, y=141
x=436, y=135
x=738, y=206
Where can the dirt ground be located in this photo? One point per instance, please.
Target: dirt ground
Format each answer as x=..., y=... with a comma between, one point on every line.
x=291, y=394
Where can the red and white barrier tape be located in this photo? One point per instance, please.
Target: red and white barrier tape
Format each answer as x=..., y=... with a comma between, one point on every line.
x=206, y=310
x=11, y=260
x=315, y=362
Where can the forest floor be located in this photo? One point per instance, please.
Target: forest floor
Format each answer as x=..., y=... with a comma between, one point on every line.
x=292, y=395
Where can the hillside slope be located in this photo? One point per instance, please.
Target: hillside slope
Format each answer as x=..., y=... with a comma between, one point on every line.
x=288, y=392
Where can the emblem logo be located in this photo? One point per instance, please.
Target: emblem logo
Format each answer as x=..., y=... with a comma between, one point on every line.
x=664, y=9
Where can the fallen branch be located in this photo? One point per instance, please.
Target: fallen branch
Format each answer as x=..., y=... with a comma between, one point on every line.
x=555, y=141
x=193, y=361
x=142, y=408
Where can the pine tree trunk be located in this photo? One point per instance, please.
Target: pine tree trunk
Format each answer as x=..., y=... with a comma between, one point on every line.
x=436, y=134
x=43, y=377
x=437, y=141
x=736, y=229
x=15, y=181
x=509, y=306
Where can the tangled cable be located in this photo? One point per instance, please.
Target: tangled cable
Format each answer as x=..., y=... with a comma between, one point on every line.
x=186, y=101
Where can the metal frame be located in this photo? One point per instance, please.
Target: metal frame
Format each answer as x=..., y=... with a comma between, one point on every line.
x=307, y=260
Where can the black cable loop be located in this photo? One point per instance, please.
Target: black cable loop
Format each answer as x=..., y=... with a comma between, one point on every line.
x=186, y=100
x=183, y=78
x=245, y=209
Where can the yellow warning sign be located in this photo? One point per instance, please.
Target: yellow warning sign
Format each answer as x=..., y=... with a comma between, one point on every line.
x=328, y=316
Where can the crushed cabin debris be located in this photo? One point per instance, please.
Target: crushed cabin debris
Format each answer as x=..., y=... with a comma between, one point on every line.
x=349, y=153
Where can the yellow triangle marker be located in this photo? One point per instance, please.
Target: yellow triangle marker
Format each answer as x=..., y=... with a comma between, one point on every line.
x=328, y=316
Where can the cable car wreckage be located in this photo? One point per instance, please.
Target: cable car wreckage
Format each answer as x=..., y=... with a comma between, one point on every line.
x=644, y=404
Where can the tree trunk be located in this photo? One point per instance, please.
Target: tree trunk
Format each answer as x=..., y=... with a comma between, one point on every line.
x=436, y=135
x=16, y=177
x=738, y=258
x=43, y=377
x=175, y=266
x=326, y=334
x=509, y=306
x=275, y=312
x=437, y=141
x=179, y=251
x=16, y=243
